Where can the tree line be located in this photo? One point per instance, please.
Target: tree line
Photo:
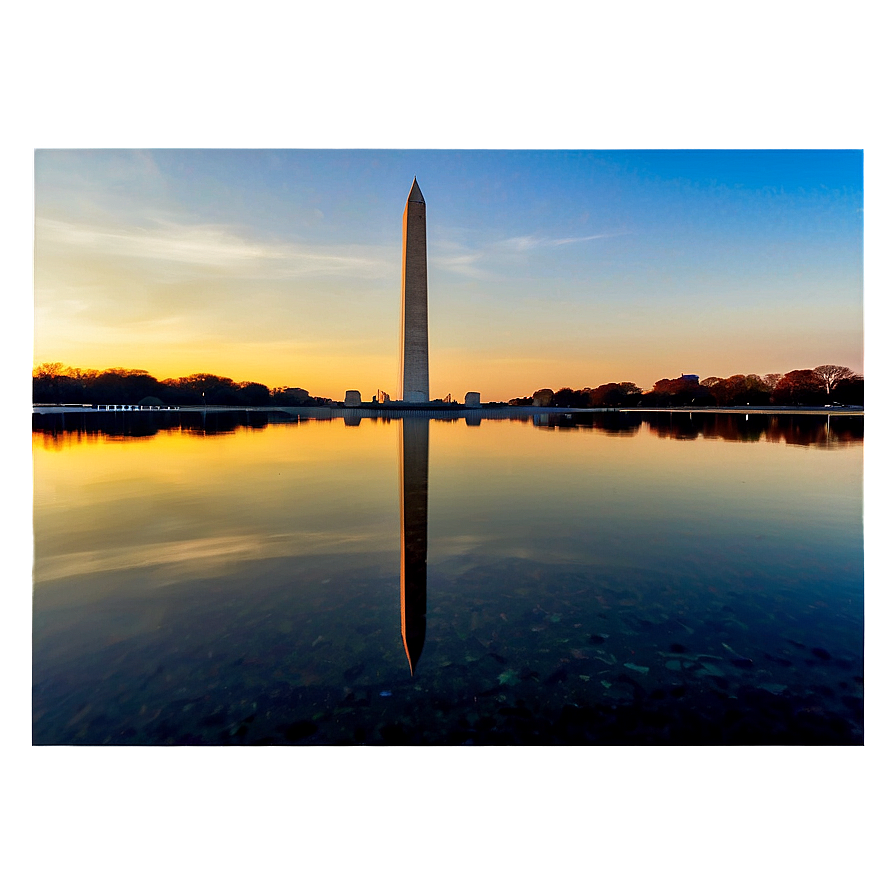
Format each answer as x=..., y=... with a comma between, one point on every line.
x=56, y=384
x=826, y=384
x=823, y=385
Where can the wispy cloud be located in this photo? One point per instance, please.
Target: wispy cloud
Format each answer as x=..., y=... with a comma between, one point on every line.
x=215, y=250
x=530, y=242
x=211, y=249
x=456, y=258
x=483, y=262
x=465, y=263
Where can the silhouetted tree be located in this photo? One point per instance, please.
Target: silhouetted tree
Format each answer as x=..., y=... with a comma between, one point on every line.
x=48, y=383
x=850, y=391
x=741, y=390
x=680, y=391
x=254, y=394
x=712, y=385
x=737, y=390
x=613, y=395
x=571, y=398
x=56, y=384
x=831, y=374
x=755, y=389
x=119, y=386
x=207, y=388
x=799, y=387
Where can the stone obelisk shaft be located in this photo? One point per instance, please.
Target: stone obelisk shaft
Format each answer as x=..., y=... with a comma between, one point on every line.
x=414, y=363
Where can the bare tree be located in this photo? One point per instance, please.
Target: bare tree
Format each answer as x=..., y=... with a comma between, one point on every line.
x=831, y=374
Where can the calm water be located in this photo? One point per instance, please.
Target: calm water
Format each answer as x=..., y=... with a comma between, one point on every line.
x=615, y=578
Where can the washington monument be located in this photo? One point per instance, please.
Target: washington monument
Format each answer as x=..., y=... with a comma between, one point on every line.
x=413, y=374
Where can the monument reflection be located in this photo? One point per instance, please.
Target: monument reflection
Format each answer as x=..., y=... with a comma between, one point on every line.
x=414, y=460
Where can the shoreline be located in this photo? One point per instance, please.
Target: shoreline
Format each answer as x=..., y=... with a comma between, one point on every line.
x=399, y=410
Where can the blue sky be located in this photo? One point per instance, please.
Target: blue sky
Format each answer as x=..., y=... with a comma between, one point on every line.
x=546, y=268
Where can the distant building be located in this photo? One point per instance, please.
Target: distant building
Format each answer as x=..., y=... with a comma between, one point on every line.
x=472, y=400
x=690, y=377
x=352, y=398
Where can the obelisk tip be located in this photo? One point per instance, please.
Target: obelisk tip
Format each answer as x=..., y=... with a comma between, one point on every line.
x=416, y=195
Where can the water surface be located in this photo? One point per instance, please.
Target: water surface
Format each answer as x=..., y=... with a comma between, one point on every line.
x=607, y=578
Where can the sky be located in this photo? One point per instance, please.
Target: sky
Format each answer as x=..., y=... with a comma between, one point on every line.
x=546, y=268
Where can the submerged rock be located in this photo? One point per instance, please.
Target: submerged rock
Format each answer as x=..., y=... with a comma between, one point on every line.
x=635, y=668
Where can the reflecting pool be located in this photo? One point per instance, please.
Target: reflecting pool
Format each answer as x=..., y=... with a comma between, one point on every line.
x=608, y=578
